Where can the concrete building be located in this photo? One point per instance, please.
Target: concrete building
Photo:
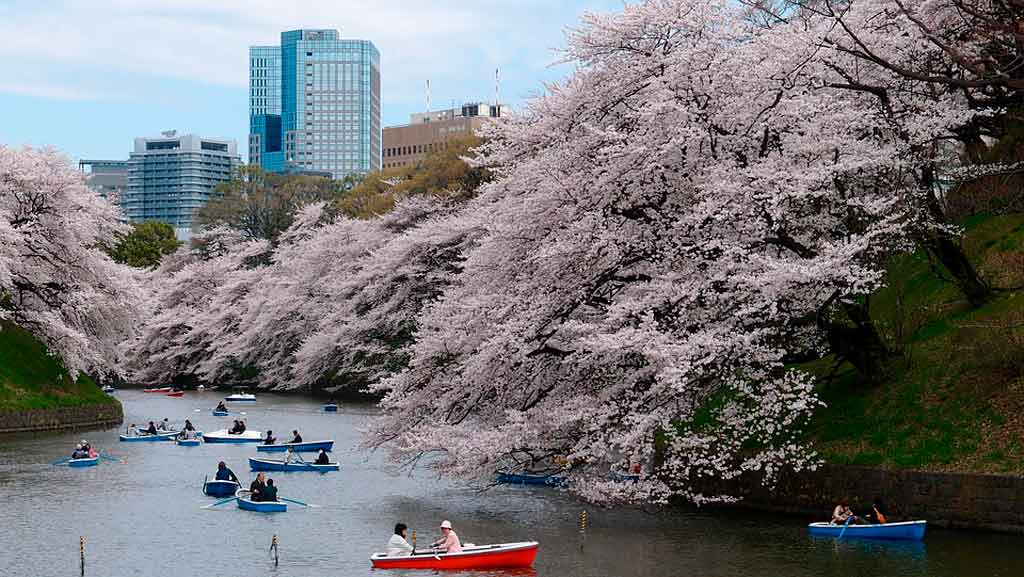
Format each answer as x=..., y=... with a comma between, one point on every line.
x=109, y=178
x=408, y=144
x=172, y=176
x=314, y=104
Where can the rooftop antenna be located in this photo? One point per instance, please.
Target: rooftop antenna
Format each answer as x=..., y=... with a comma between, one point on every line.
x=497, y=86
x=428, y=97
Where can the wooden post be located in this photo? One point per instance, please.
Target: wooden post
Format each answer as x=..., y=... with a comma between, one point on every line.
x=81, y=553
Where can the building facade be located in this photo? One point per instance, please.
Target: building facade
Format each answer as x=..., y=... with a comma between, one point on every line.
x=409, y=144
x=172, y=176
x=314, y=104
x=108, y=178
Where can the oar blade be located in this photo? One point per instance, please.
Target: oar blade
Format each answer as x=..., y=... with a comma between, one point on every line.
x=212, y=505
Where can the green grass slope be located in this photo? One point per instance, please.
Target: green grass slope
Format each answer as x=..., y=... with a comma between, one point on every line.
x=32, y=379
x=955, y=398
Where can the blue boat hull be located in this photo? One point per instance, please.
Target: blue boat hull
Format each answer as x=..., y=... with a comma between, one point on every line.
x=84, y=462
x=220, y=488
x=310, y=447
x=268, y=465
x=147, y=438
x=223, y=437
x=189, y=442
x=220, y=413
x=524, y=479
x=908, y=531
x=262, y=506
x=331, y=408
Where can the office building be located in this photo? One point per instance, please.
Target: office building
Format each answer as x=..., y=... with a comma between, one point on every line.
x=314, y=104
x=170, y=177
x=408, y=144
x=109, y=178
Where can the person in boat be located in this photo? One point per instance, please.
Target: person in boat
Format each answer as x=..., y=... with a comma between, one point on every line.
x=398, y=546
x=165, y=425
x=257, y=487
x=449, y=543
x=79, y=453
x=241, y=427
x=297, y=438
x=224, y=473
x=269, y=492
x=221, y=407
x=269, y=439
x=878, y=514
x=288, y=456
x=842, y=513
x=237, y=428
x=89, y=452
x=189, y=426
x=152, y=429
x=321, y=458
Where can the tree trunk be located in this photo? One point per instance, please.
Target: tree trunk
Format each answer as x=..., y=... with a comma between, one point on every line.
x=859, y=344
x=966, y=277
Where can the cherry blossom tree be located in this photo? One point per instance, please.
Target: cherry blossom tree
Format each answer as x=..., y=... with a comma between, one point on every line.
x=55, y=280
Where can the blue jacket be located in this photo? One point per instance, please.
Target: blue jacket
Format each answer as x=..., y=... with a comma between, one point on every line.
x=226, y=474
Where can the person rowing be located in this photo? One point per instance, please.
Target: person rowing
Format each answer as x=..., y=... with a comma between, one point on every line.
x=398, y=546
x=189, y=426
x=449, y=543
x=79, y=452
x=221, y=407
x=257, y=487
x=842, y=513
x=151, y=430
x=321, y=458
x=165, y=425
x=297, y=438
x=238, y=429
x=288, y=456
x=269, y=439
x=224, y=473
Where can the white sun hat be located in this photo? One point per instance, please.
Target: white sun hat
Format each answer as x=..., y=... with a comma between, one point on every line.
x=446, y=524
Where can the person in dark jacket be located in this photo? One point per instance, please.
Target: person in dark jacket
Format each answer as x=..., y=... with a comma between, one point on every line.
x=237, y=428
x=225, y=474
x=269, y=492
x=269, y=440
x=321, y=458
x=152, y=428
x=257, y=487
x=189, y=426
x=297, y=438
x=221, y=407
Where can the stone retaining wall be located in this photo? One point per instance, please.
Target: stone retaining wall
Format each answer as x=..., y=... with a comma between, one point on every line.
x=954, y=500
x=64, y=418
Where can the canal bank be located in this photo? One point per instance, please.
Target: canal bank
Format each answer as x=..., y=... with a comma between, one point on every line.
x=62, y=418
x=949, y=500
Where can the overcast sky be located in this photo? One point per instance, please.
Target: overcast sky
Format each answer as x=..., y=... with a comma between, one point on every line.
x=87, y=76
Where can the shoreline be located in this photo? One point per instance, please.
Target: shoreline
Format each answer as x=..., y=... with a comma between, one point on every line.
x=61, y=418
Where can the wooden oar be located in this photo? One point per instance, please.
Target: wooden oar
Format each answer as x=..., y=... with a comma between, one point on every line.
x=121, y=460
x=228, y=500
x=61, y=461
x=845, y=525
x=298, y=502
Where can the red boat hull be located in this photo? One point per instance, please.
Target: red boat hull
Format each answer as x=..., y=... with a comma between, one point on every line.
x=175, y=394
x=512, y=557
x=160, y=390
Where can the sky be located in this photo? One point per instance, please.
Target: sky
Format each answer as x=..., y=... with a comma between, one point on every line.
x=88, y=76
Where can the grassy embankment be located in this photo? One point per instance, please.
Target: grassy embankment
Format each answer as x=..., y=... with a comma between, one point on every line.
x=32, y=379
x=954, y=400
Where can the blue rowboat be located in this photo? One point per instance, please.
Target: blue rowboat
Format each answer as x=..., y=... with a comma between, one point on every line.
x=331, y=408
x=905, y=531
x=274, y=465
x=309, y=447
x=87, y=462
x=262, y=506
x=220, y=413
x=220, y=488
x=222, y=436
x=150, y=438
x=551, y=480
x=189, y=442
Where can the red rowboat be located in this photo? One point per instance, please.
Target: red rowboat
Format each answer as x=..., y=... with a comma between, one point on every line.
x=175, y=394
x=501, y=556
x=160, y=390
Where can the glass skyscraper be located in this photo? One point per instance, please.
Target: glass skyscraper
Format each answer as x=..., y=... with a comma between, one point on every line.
x=314, y=104
x=171, y=177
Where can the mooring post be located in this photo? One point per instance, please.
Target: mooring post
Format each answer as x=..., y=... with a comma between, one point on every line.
x=81, y=553
x=583, y=528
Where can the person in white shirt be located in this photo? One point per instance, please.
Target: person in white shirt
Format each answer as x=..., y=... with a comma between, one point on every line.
x=398, y=546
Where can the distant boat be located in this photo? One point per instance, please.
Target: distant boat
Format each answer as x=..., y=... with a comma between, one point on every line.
x=550, y=480
x=86, y=462
x=217, y=413
x=222, y=436
x=159, y=390
x=201, y=388
x=166, y=436
x=305, y=447
x=175, y=394
x=500, y=556
x=331, y=408
x=257, y=464
x=108, y=389
x=241, y=397
x=217, y=488
x=904, y=531
x=189, y=442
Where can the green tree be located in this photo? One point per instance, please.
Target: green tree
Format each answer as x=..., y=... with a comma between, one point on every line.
x=145, y=245
x=262, y=204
